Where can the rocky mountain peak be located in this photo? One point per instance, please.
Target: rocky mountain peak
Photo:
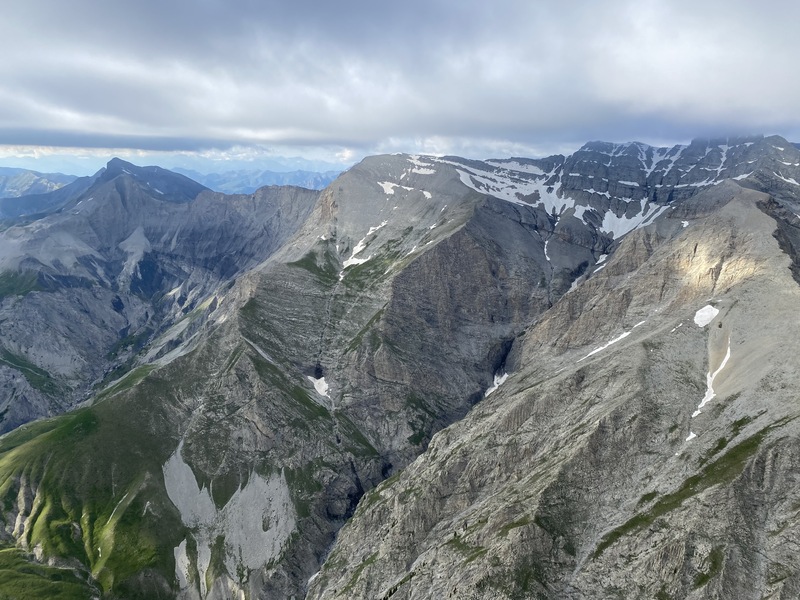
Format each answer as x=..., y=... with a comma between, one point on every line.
x=168, y=185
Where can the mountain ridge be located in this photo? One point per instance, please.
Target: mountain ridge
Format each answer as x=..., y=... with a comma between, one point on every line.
x=413, y=318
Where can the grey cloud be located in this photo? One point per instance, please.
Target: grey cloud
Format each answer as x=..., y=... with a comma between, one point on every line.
x=207, y=73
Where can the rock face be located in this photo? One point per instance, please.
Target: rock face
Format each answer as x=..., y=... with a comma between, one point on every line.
x=523, y=348
x=631, y=454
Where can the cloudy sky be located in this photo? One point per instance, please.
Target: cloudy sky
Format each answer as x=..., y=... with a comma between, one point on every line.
x=248, y=81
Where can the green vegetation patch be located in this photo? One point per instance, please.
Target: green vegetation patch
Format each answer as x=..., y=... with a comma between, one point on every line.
x=38, y=378
x=374, y=336
x=468, y=551
x=526, y=580
x=720, y=472
x=133, y=341
x=304, y=487
x=96, y=473
x=270, y=374
x=357, y=573
x=322, y=267
x=23, y=578
x=647, y=498
x=13, y=283
x=127, y=382
x=715, y=560
x=513, y=525
x=355, y=442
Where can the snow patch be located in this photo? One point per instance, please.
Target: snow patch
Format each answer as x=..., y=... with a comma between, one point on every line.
x=320, y=385
x=498, y=381
x=603, y=347
x=684, y=224
x=513, y=165
x=427, y=195
x=787, y=179
x=414, y=159
x=705, y=315
x=710, y=394
x=388, y=187
x=691, y=436
x=619, y=226
x=361, y=245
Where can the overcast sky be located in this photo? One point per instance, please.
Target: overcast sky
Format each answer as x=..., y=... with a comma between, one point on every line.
x=250, y=80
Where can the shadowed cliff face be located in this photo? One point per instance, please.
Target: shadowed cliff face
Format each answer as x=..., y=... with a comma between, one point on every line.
x=297, y=348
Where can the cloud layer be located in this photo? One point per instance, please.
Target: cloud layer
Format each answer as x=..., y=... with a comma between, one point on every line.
x=357, y=76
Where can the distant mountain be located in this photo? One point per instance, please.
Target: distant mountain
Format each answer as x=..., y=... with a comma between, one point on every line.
x=248, y=181
x=568, y=377
x=22, y=182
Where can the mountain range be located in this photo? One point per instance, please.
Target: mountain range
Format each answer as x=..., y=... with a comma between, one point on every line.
x=22, y=182
x=247, y=181
x=569, y=377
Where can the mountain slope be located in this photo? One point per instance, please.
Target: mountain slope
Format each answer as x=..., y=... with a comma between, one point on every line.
x=128, y=254
x=22, y=182
x=601, y=469
x=529, y=302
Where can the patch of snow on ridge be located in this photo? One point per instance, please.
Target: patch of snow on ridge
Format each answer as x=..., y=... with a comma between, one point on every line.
x=352, y=261
x=256, y=522
x=787, y=179
x=498, y=381
x=375, y=228
x=710, y=394
x=513, y=187
x=414, y=159
x=603, y=347
x=388, y=187
x=516, y=166
x=362, y=243
x=691, y=436
x=705, y=315
x=619, y=226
